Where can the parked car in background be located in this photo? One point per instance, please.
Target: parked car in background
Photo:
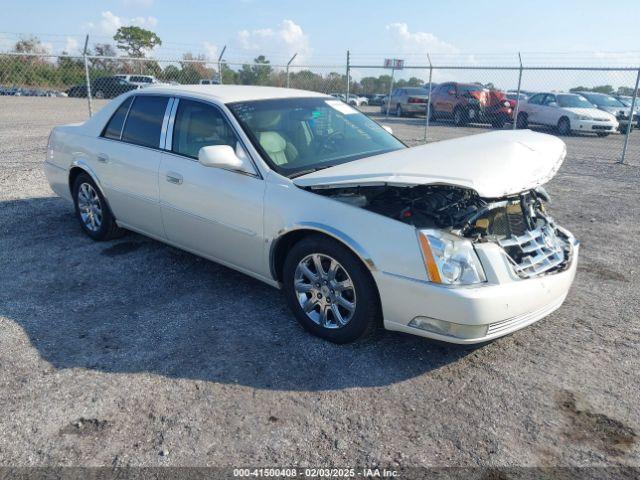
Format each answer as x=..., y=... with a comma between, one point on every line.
x=208, y=81
x=612, y=105
x=449, y=240
x=103, y=87
x=407, y=101
x=470, y=103
x=513, y=97
x=139, y=80
x=376, y=99
x=628, y=101
x=568, y=112
x=357, y=101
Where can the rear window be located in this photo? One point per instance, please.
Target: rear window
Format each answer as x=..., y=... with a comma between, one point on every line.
x=145, y=121
x=114, y=127
x=416, y=91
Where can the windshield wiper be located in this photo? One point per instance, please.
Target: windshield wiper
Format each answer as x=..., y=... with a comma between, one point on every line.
x=309, y=170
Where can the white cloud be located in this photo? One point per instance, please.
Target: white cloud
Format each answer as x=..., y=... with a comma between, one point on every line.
x=417, y=42
x=284, y=40
x=210, y=50
x=72, y=46
x=110, y=23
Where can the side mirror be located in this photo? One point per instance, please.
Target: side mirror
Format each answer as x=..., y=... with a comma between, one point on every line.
x=388, y=129
x=222, y=156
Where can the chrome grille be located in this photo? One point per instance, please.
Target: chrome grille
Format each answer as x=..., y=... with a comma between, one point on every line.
x=535, y=252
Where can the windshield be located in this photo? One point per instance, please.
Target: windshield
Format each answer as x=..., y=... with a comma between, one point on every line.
x=306, y=134
x=573, y=101
x=605, y=101
x=625, y=100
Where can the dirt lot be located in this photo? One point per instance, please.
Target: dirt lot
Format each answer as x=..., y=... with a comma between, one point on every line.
x=134, y=353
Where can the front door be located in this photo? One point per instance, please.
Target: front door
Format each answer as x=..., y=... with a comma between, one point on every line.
x=211, y=211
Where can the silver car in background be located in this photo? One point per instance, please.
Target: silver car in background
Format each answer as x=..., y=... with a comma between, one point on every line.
x=406, y=101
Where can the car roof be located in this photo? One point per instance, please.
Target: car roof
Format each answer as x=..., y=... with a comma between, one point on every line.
x=233, y=93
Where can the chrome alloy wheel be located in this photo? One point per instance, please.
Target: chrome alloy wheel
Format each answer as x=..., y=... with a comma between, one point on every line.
x=325, y=291
x=90, y=207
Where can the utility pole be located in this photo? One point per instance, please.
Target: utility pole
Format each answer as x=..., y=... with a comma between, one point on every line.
x=220, y=64
x=517, y=109
x=86, y=74
x=288, y=64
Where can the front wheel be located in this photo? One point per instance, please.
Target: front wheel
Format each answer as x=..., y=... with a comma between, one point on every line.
x=330, y=291
x=522, y=121
x=564, y=127
x=460, y=117
x=92, y=211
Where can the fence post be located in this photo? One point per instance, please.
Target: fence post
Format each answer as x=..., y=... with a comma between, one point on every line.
x=220, y=64
x=633, y=106
x=428, y=111
x=348, y=79
x=393, y=70
x=86, y=74
x=517, y=109
x=289, y=63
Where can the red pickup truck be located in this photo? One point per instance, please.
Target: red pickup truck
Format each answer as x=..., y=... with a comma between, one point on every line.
x=470, y=103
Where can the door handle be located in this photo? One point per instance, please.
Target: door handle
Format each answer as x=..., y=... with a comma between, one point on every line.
x=103, y=157
x=175, y=178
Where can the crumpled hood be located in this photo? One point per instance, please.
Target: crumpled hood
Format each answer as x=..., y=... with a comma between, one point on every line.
x=494, y=164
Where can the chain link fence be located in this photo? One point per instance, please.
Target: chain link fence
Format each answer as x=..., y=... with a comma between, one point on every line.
x=421, y=102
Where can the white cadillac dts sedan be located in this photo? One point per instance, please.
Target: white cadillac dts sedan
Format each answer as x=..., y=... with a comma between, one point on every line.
x=449, y=240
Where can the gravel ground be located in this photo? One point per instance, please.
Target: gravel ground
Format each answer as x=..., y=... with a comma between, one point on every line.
x=134, y=353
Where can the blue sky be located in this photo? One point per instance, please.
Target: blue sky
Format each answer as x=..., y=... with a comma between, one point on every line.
x=469, y=32
x=322, y=30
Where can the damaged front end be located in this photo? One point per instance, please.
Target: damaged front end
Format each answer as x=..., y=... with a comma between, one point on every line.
x=451, y=219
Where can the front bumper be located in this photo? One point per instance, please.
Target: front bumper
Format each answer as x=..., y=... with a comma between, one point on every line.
x=594, y=126
x=503, y=305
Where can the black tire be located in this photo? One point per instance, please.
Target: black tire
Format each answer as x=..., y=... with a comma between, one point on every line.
x=498, y=123
x=366, y=315
x=399, y=111
x=564, y=126
x=522, y=121
x=108, y=229
x=432, y=113
x=99, y=94
x=460, y=117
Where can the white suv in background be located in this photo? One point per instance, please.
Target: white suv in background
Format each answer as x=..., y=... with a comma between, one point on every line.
x=569, y=112
x=140, y=80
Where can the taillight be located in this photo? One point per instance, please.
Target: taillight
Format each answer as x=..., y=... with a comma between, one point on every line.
x=416, y=100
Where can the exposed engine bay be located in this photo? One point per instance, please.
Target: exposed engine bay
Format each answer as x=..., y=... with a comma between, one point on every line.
x=518, y=223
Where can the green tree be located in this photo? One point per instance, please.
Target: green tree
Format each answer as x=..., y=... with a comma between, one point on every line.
x=135, y=41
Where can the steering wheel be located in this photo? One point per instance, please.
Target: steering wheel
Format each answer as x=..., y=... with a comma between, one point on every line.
x=330, y=143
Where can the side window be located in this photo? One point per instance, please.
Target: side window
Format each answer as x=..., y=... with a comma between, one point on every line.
x=536, y=99
x=549, y=99
x=113, y=129
x=145, y=121
x=199, y=125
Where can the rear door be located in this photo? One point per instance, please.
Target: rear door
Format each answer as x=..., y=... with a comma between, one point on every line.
x=533, y=108
x=129, y=164
x=447, y=100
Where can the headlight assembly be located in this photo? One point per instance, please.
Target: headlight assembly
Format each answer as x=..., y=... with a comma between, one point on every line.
x=450, y=260
x=583, y=117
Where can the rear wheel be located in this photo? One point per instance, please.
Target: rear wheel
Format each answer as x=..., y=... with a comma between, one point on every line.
x=99, y=94
x=522, y=121
x=330, y=291
x=92, y=211
x=564, y=127
x=460, y=117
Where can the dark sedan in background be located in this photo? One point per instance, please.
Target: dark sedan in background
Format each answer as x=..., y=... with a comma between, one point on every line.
x=103, y=87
